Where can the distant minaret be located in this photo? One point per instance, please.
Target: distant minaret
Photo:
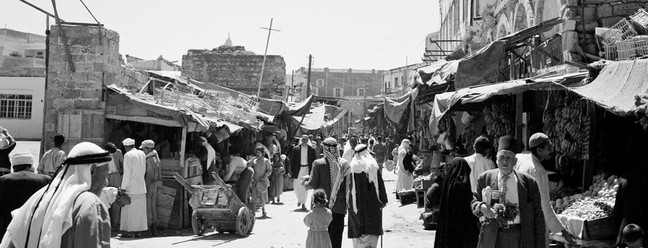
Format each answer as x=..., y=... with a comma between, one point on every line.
x=228, y=42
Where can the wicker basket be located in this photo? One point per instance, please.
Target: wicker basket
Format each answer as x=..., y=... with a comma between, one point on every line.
x=626, y=49
x=641, y=17
x=620, y=31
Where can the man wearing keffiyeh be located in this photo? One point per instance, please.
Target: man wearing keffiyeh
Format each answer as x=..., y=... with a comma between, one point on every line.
x=329, y=174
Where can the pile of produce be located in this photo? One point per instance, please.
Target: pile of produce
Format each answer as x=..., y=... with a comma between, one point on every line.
x=642, y=110
x=595, y=203
x=568, y=126
x=499, y=116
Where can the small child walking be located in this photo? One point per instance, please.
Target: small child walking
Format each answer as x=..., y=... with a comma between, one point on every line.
x=318, y=220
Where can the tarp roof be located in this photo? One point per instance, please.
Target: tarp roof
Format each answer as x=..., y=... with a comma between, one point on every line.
x=443, y=102
x=616, y=86
x=337, y=118
x=313, y=120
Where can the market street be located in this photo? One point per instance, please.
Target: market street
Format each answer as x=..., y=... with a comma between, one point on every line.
x=285, y=227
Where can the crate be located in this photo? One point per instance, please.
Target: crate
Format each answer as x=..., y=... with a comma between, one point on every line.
x=610, y=52
x=641, y=17
x=599, y=229
x=620, y=31
x=420, y=197
x=407, y=197
x=641, y=44
x=626, y=49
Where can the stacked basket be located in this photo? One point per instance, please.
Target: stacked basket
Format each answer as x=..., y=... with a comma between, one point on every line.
x=621, y=42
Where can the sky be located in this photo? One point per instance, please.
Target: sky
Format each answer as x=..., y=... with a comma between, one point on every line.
x=357, y=34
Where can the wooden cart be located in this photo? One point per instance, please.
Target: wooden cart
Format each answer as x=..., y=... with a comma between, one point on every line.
x=219, y=207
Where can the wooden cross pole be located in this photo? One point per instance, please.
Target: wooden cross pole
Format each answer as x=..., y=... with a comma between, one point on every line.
x=264, y=56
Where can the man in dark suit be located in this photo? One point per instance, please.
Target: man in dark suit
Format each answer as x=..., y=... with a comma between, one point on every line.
x=301, y=162
x=527, y=229
x=17, y=187
x=328, y=174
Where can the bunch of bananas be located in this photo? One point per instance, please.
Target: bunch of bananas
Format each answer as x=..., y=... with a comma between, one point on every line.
x=566, y=124
x=499, y=117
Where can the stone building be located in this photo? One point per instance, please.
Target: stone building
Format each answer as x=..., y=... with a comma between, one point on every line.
x=22, y=83
x=357, y=90
x=476, y=23
x=395, y=80
x=235, y=68
x=159, y=64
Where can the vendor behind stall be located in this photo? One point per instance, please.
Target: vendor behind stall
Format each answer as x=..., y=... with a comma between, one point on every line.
x=236, y=169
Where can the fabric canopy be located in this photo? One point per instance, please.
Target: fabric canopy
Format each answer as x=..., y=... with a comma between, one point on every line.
x=616, y=86
x=301, y=108
x=482, y=67
x=395, y=108
x=337, y=117
x=315, y=119
x=443, y=102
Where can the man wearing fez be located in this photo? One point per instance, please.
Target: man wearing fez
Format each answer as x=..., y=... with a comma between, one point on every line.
x=513, y=189
x=17, y=187
x=541, y=150
x=68, y=211
x=329, y=173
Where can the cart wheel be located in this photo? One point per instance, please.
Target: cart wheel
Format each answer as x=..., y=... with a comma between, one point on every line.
x=243, y=222
x=252, y=221
x=198, y=223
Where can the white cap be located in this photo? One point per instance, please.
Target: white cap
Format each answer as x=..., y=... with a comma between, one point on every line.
x=21, y=157
x=128, y=142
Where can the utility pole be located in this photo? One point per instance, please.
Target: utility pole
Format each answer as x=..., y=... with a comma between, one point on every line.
x=292, y=85
x=264, y=56
x=308, y=82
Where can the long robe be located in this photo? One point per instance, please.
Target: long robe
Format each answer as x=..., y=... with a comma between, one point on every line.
x=368, y=219
x=91, y=224
x=133, y=215
x=457, y=226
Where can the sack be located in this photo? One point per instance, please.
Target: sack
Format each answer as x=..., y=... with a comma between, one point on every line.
x=389, y=165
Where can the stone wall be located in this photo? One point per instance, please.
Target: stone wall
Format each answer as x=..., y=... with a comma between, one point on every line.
x=585, y=15
x=236, y=71
x=74, y=101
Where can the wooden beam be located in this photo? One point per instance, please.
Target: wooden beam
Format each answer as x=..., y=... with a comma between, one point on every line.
x=542, y=51
x=145, y=119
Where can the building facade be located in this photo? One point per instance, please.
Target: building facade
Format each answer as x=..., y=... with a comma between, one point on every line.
x=357, y=90
x=159, y=64
x=22, y=83
x=235, y=68
x=396, y=81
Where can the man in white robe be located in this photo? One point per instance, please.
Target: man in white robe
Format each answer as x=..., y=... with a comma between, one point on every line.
x=133, y=216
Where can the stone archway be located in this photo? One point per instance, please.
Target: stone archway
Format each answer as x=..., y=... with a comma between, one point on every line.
x=521, y=20
x=503, y=27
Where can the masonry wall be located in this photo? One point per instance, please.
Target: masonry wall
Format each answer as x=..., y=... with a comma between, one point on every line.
x=236, y=71
x=29, y=128
x=74, y=101
x=327, y=80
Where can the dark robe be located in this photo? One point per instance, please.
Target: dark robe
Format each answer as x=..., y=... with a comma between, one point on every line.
x=368, y=219
x=457, y=226
x=5, y=163
x=90, y=224
x=408, y=162
x=15, y=190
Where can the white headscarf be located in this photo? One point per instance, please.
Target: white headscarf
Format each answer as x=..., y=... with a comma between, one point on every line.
x=47, y=215
x=363, y=162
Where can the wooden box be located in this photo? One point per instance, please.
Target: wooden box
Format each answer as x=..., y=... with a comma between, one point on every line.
x=169, y=166
x=599, y=229
x=407, y=197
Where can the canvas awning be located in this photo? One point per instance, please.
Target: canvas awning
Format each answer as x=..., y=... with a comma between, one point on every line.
x=445, y=101
x=337, y=118
x=482, y=67
x=616, y=86
x=301, y=108
x=313, y=120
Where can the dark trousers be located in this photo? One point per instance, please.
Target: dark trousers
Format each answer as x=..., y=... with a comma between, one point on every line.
x=508, y=238
x=335, y=229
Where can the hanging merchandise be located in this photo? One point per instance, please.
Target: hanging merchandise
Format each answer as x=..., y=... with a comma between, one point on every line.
x=567, y=125
x=499, y=117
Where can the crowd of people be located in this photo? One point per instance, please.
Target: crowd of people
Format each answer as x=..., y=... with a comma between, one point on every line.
x=477, y=201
